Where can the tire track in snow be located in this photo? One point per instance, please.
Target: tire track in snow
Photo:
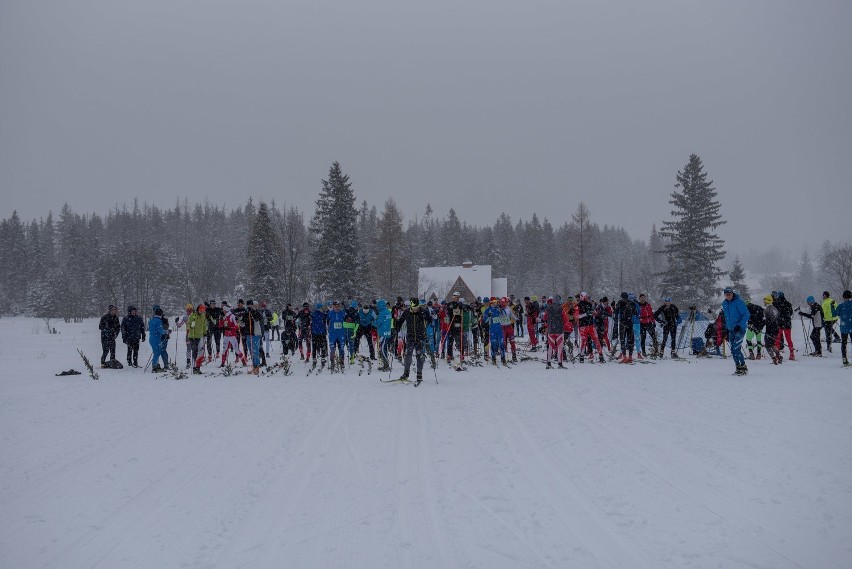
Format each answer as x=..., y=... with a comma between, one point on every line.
x=259, y=542
x=616, y=550
x=122, y=525
x=81, y=466
x=721, y=507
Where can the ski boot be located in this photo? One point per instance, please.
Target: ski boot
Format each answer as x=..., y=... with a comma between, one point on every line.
x=601, y=358
x=560, y=366
x=675, y=356
x=514, y=359
x=419, y=379
x=196, y=371
x=751, y=354
x=845, y=362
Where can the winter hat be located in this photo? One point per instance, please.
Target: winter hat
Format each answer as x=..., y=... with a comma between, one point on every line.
x=318, y=306
x=847, y=294
x=624, y=295
x=631, y=296
x=667, y=299
x=225, y=303
x=155, y=308
x=111, y=307
x=202, y=308
x=354, y=304
x=158, y=311
x=810, y=300
x=826, y=294
x=131, y=308
x=604, y=300
x=534, y=298
x=729, y=290
x=189, y=306
x=250, y=303
x=780, y=294
x=584, y=295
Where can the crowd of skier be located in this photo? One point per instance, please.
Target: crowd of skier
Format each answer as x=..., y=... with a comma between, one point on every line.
x=474, y=333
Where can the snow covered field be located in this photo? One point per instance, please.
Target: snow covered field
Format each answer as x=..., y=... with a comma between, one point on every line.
x=600, y=466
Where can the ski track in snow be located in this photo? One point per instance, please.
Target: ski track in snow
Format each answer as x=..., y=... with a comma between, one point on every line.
x=598, y=466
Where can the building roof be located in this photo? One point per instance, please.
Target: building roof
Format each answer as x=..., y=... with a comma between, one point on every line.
x=438, y=281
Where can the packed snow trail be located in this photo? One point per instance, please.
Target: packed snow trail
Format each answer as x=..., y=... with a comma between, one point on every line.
x=598, y=466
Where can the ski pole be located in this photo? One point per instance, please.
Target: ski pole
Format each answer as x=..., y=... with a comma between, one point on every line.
x=808, y=349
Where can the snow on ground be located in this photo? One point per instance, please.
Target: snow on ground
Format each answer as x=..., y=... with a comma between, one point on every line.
x=600, y=466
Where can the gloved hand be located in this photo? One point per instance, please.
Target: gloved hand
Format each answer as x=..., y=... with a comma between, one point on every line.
x=738, y=328
x=177, y=319
x=143, y=338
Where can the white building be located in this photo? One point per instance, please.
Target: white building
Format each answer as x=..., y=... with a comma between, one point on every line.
x=469, y=280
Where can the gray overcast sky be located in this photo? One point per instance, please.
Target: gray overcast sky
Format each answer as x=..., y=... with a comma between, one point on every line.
x=484, y=106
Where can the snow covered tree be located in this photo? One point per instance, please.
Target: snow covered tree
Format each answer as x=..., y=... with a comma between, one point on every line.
x=265, y=258
x=693, y=250
x=390, y=268
x=836, y=265
x=335, y=227
x=805, y=276
x=737, y=276
x=582, y=247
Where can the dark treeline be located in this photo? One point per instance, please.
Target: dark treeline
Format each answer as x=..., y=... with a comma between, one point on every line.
x=73, y=265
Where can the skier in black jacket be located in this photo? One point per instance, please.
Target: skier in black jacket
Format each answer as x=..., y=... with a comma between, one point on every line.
x=667, y=315
x=215, y=316
x=288, y=337
x=132, y=332
x=623, y=317
x=109, y=327
x=754, y=334
x=785, y=323
x=414, y=320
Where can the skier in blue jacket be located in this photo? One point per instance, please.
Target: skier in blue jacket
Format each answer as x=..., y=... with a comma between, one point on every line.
x=736, y=321
x=844, y=315
x=491, y=318
x=336, y=331
x=383, y=327
x=366, y=326
x=158, y=337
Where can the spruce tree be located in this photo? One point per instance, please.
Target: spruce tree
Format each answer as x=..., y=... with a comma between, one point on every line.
x=335, y=227
x=737, y=276
x=693, y=250
x=265, y=259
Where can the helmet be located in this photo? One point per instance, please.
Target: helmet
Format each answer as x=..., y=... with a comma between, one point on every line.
x=318, y=306
x=767, y=299
x=810, y=300
x=584, y=295
x=202, y=308
x=354, y=304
